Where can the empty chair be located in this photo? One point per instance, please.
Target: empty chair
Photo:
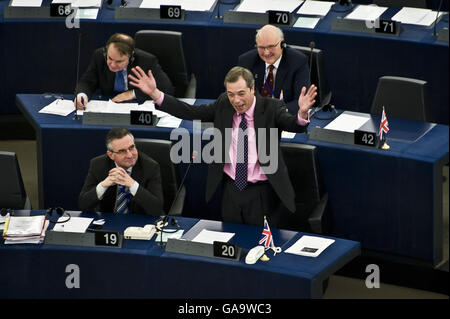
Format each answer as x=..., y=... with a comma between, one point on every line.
x=12, y=191
x=159, y=150
x=401, y=97
x=317, y=75
x=310, y=196
x=167, y=46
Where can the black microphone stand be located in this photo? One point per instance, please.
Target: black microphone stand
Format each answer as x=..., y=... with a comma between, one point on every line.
x=76, y=118
x=437, y=17
x=166, y=217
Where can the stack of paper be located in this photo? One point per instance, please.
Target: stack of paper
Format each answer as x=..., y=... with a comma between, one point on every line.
x=417, y=16
x=25, y=229
x=366, y=12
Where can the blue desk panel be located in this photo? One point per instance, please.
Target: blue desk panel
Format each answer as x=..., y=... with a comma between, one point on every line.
x=390, y=201
x=44, y=51
x=142, y=269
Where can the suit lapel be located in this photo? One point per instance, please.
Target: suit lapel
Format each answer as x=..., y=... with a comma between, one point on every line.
x=281, y=74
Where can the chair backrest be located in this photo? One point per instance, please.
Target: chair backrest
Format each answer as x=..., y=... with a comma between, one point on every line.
x=401, y=97
x=159, y=150
x=167, y=46
x=401, y=3
x=12, y=191
x=317, y=76
x=306, y=178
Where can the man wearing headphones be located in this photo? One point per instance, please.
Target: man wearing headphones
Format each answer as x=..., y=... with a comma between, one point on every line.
x=109, y=68
x=279, y=71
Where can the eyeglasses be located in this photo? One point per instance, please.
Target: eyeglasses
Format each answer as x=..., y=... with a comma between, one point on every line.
x=124, y=151
x=269, y=47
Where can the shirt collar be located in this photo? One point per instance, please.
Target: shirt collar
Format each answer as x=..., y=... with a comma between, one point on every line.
x=276, y=63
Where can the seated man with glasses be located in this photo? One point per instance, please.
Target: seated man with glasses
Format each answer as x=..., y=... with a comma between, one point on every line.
x=279, y=71
x=123, y=180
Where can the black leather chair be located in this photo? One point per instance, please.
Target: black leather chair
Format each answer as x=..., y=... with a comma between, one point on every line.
x=12, y=191
x=310, y=196
x=159, y=150
x=402, y=97
x=317, y=76
x=167, y=46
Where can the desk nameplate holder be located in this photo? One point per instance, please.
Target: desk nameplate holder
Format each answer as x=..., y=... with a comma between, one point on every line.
x=111, y=119
x=231, y=16
x=341, y=137
x=75, y=239
x=133, y=12
x=26, y=12
x=362, y=26
x=188, y=247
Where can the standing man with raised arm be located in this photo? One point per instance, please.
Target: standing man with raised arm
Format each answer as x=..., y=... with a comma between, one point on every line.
x=109, y=69
x=279, y=71
x=250, y=189
x=123, y=180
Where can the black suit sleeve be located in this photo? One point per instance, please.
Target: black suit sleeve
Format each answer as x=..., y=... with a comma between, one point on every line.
x=88, y=200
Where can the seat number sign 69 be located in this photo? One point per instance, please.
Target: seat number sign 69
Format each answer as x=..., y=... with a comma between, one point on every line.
x=170, y=12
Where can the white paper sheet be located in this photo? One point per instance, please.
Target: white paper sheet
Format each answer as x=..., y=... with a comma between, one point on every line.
x=306, y=22
x=188, y=5
x=81, y=3
x=73, y=225
x=165, y=236
x=347, y=123
x=209, y=236
x=26, y=3
x=289, y=135
x=261, y=6
x=25, y=225
x=169, y=121
x=417, y=16
x=90, y=14
x=366, y=12
x=310, y=246
x=59, y=107
x=315, y=8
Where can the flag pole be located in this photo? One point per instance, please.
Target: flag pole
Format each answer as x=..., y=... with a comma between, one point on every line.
x=385, y=145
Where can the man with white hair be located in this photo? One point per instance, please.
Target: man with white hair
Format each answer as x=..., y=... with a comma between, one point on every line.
x=279, y=71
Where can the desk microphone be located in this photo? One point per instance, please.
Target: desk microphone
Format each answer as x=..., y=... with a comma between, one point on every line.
x=161, y=224
x=437, y=16
x=312, y=45
x=78, y=72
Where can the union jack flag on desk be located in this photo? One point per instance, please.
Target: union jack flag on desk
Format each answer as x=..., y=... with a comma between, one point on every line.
x=383, y=125
x=266, y=236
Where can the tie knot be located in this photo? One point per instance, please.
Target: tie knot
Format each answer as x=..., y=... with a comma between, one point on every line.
x=271, y=67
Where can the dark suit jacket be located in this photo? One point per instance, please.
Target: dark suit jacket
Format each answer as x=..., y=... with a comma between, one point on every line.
x=269, y=113
x=292, y=74
x=98, y=75
x=148, y=198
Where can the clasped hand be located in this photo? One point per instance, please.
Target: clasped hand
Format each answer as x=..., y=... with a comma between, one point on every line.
x=118, y=176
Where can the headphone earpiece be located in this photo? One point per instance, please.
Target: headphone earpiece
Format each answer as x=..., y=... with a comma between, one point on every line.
x=59, y=211
x=283, y=44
